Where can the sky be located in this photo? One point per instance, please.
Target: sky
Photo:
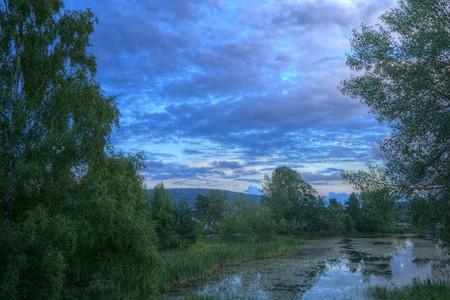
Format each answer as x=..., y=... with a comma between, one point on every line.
x=218, y=93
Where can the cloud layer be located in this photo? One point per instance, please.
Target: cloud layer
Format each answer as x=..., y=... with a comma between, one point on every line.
x=218, y=93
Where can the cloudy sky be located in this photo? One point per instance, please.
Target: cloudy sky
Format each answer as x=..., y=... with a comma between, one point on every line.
x=217, y=93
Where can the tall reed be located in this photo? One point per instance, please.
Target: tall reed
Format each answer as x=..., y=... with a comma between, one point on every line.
x=209, y=255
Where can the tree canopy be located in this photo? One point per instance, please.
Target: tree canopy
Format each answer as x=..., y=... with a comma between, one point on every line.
x=293, y=202
x=73, y=222
x=163, y=214
x=285, y=192
x=401, y=71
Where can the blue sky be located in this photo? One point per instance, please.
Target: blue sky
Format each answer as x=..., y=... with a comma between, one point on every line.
x=217, y=93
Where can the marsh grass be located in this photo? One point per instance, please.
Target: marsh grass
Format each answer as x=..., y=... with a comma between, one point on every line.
x=427, y=290
x=180, y=267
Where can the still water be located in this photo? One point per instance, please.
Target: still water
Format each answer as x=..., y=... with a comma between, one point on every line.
x=335, y=268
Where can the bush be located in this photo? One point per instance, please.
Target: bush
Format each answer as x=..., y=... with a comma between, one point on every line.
x=428, y=290
x=244, y=220
x=187, y=230
x=163, y=216
x=98, y=242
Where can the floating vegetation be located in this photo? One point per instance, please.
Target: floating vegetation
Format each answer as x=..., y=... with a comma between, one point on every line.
x=330, y=269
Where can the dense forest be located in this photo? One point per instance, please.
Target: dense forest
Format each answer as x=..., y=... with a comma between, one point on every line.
x=76, y=222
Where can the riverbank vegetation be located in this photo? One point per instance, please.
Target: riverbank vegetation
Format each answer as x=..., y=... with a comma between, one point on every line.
x=401, y=72
x=76, y=223
x=417, y=291
x=289, y=206
x=223, y=231
x=208, y=255
x=73, y=219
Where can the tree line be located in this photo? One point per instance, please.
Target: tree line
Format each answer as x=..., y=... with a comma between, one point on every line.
x=75, y=222
x=289, y=206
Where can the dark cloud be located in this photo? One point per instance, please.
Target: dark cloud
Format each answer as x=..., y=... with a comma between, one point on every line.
x=329, y=13
x=239, y=84
x=159, y=170
x=227, y=165
x=322, y=177
x=192, y=152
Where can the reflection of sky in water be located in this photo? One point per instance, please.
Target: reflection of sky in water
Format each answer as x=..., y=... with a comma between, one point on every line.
x=404, y=270
x=338, y=281
x=339, y=269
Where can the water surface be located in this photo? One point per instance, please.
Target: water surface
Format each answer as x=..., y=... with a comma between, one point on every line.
x=333, y=268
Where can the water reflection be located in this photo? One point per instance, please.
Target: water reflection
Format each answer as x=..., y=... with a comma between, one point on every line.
x=336, y=282
x=330, y=269
x=352, y=275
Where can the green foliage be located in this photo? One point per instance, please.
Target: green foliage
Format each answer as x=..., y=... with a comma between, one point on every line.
x=163, y=215
x=209, y=210
x=354, y=210
x=376, y=199
x=34, y=253
x=216, y=207
x=201, y=208
x=244, y=220
x=377, y=211
x=296, y=207
x=314, y=215
x=338, y=220
x=428, y=211
x=293, y=202
x=54, y=119
x=186, y=228
x=116, y=238
x=174, y=225
x=96, y=242
x=207, y=256
x=74, y=223
x=401, y=72
x=374, y=179
x=428, y=290
x=285, y=193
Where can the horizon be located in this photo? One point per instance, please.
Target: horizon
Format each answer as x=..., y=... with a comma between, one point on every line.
x=217, y=94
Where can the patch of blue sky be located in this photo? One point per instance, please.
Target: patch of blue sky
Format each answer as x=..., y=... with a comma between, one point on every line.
x=231, y=10
x=290, y=76
x=248, y=81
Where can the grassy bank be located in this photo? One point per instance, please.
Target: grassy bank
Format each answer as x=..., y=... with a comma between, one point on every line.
x=427, y=290
x=209, y=255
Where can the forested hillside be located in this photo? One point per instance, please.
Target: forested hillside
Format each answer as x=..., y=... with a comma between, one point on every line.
x=190, y=195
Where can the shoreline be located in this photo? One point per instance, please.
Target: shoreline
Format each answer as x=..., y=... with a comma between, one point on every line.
x=304, y=245
x=185, y=267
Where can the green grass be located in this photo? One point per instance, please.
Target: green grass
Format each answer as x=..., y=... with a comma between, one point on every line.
x=428, y=290
x=205, y=257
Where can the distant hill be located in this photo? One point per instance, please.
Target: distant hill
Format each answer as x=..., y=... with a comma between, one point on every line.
x=190, y=194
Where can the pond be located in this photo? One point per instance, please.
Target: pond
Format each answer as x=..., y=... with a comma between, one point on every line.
x=332, y=268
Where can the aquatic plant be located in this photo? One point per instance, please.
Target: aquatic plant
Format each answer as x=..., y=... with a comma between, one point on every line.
x=430, y=290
